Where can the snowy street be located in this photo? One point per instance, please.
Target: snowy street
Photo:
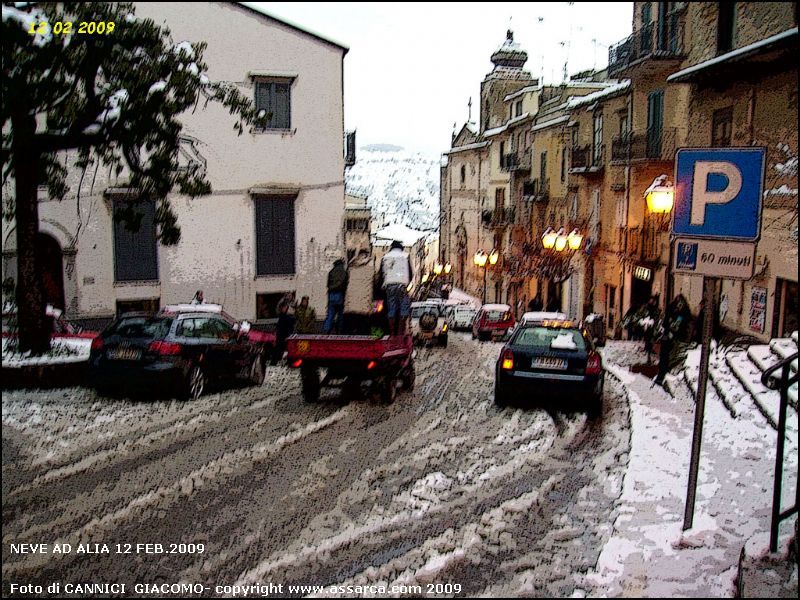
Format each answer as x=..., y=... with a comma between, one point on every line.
x=439, y=488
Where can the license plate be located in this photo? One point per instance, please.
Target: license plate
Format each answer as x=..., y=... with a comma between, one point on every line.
x=124, y=354
x=557, y=364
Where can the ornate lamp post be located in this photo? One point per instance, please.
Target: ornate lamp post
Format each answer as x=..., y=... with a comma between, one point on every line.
x=484, y=260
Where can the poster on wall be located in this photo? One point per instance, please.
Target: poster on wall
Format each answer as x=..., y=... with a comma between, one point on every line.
x=758, y=309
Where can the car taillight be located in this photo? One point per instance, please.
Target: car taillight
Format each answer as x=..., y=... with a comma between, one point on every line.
x=165, y=348
x=444, y=327
x=97, y=344
x=296, y=364
x=507, y=363
x=507, y=316
x=594, y=365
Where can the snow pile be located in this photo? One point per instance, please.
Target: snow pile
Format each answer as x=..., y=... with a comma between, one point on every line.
x=62, y=350
x=648, y=551
x=563, y=341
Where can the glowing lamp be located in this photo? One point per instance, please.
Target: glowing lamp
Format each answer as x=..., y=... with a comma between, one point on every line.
x=574, y=239
x=660, y=196
x=493, y=257
x=549, y=239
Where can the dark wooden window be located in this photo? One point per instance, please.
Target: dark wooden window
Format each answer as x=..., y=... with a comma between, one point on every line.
x=274, y=97
x=722, y=127
x=726, y=25
x=275, y=235
x=135, y=251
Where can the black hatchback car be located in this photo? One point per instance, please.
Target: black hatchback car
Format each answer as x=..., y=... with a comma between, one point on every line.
x=550, y=362
x=179, y=352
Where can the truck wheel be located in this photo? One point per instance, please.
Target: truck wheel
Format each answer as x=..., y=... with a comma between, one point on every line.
x=408, y=378
x=388, y=390
x=309, y=378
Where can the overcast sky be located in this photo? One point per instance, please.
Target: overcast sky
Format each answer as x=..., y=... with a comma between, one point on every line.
x=412, y=66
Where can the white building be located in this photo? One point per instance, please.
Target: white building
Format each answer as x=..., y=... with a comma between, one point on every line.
x=274, y=222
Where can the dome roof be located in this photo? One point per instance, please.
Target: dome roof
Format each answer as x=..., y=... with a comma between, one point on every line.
x=509, y=54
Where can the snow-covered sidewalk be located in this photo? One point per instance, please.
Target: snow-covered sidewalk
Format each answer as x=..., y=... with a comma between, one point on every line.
x=648, y=554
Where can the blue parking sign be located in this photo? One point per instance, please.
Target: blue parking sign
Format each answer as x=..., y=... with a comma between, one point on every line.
x=718, y=193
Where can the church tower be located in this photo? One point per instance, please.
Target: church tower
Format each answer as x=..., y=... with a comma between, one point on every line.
x=507, y=77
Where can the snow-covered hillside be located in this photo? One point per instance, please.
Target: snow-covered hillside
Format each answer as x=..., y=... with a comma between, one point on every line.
x=402, y=186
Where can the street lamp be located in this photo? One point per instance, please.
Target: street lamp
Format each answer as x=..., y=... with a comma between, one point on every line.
x=437, y=268
x=660, y=196
x=481, y=259
x=447, y=268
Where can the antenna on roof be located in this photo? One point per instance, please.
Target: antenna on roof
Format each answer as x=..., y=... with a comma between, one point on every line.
x=469, y=110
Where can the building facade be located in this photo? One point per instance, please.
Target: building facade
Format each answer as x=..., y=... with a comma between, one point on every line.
x=274, y=222
x=740, y=69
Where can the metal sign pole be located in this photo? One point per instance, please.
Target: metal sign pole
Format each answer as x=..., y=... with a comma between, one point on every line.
x=709, y=287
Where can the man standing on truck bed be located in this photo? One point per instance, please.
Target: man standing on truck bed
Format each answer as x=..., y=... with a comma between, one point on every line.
x=338, y=279
x=396, y=275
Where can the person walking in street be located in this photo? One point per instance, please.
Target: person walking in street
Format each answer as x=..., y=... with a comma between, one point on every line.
x=198, y=298
x=338, y=279
x=536, y=304
x=673, y=331
x=305, y=317
x=396, y=275
x=283, y=330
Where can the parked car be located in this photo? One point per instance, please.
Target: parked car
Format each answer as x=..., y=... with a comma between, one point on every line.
x=428, y=322
x=493, y=321
x=176, y=351
x=266, y=338
x=463, y=317
x=552, y=360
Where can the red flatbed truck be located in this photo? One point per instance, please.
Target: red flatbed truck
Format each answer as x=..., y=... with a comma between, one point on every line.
x=351, y=359
x=348, y=360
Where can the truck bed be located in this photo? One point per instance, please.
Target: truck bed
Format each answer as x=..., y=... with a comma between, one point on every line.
x=321, y=348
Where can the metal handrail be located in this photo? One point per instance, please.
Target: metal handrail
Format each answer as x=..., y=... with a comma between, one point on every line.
x=783, y=385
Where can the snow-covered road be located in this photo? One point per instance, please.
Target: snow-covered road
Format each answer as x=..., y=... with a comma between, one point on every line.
x=440, y=487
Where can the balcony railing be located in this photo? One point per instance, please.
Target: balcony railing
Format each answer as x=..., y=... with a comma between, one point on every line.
x=662, y=39
x=644, y=244
x=587, y=158
x=540, y=189
x=654, y=144
x=498, y=217
x=516, y=161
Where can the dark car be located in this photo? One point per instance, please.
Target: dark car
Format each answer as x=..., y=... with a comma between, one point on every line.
x=179, y=352
x=550, y=360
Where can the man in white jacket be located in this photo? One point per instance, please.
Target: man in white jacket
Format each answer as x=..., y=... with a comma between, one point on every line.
x=396, y=275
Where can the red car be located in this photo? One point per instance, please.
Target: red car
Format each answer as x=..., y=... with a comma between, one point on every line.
x=493, y=321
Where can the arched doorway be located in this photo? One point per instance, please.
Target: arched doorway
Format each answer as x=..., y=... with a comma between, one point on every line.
x=51, y=262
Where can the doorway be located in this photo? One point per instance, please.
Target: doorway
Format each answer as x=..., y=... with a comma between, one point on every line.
x=51, y=263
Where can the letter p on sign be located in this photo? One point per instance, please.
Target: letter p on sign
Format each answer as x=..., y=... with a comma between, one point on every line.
x=700, y=194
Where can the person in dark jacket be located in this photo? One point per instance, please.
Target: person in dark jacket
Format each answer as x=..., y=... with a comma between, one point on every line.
x=536, y=304
x=338, y=278
x=284, y=329
x=306, y=317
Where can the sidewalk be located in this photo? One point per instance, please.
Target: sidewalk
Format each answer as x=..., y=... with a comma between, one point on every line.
x=648, y=554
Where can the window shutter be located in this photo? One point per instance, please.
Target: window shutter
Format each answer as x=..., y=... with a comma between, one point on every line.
x=275, y=236
x=135, y=252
